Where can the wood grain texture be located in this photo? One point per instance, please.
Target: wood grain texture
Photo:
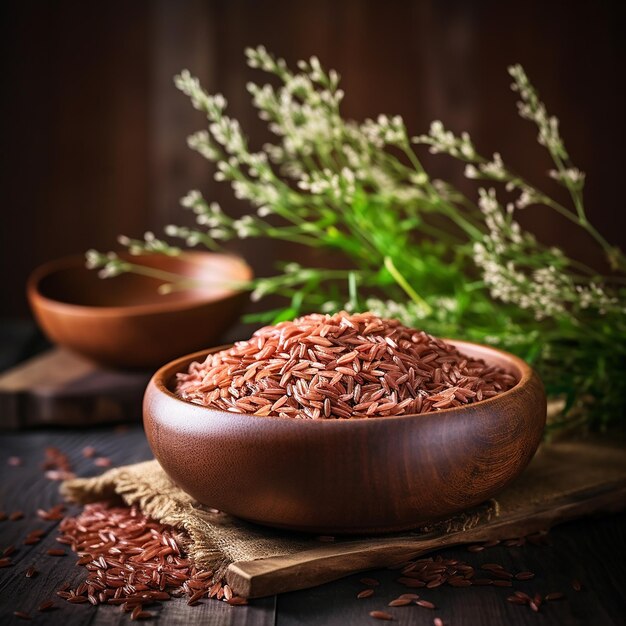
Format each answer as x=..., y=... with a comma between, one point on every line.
x=592, y=550
x=559, y=485
x=347, y=476
x=90, y=177
x=111, y=155
x=25, y=488
x=61, y=388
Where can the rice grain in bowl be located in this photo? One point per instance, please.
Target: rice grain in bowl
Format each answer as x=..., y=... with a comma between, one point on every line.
x=359, y=475
x=340, y=366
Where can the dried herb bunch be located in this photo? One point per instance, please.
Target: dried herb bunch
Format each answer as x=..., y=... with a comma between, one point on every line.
x=417, y=248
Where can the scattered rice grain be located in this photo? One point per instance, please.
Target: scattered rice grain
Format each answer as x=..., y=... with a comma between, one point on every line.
x=382, y=615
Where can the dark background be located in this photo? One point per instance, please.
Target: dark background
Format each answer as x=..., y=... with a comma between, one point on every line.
x=93, y=130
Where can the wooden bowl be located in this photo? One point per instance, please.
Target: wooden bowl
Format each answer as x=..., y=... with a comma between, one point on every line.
x=124, y=321
x=347, y=476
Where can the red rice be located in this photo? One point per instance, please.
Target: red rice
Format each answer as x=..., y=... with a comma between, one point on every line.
x=340, y=366
x=133, y=561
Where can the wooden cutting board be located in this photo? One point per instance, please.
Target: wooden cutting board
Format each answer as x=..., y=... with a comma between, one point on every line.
x=564, y=481
x=58, y=387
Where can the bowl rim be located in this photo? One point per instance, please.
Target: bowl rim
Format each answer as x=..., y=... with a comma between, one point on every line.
x=526, y=374
x=33, y=288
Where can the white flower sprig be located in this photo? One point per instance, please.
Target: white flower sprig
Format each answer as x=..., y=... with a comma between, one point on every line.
x=478, y=167
x=442, y=141
x=531, y=108
x=414, y=247
x=508, y=259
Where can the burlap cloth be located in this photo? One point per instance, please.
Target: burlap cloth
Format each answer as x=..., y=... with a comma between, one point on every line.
x=215, y=540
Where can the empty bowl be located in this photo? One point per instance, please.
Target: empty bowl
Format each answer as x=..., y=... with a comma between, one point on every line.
x=124, y=321
x=347, y=476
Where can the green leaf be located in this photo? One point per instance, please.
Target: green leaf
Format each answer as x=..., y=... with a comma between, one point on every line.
x=262, y=317
x=285, y=315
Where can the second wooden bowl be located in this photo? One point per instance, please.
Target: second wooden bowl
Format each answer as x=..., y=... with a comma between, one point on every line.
x=124, y=322
x=347, y=476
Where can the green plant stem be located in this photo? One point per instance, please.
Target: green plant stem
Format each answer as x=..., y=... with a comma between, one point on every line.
x=438, y=235
x=583, y=267
x=463, y=223
x=574, y=193
x=415, y=162
x=353, y=291
x=402, y=282
x=152, y=272
x=344, y=213
x=579, y=218
x=583, y=223
x=280, y=233
x=449, y=210
x=197, y=283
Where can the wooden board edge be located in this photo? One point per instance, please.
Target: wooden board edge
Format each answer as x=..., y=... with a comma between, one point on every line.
x=263, y=577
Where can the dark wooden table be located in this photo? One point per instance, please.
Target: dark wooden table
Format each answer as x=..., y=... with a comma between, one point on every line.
x=593, y=551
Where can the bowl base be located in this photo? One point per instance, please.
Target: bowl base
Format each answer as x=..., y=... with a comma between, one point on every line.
x=462, y=519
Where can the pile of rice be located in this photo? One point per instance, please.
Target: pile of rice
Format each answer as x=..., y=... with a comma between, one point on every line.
x=338, y=367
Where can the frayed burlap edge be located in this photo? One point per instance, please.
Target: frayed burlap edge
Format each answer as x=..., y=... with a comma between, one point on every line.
x=214, y=539
x=146, y=486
